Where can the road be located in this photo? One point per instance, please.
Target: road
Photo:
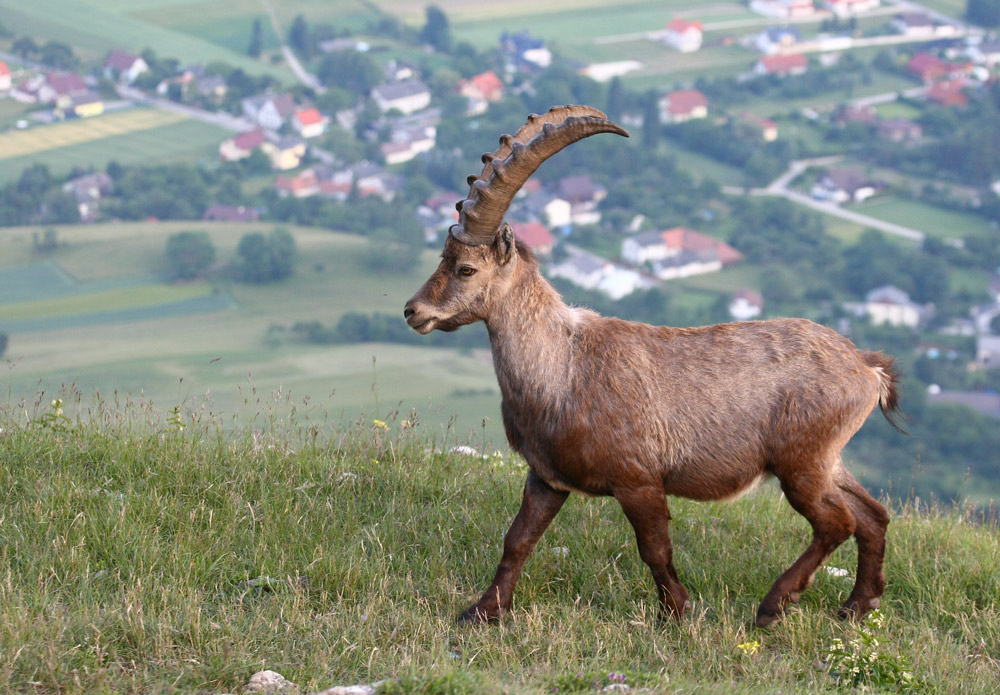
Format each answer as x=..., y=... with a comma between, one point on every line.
x=221, y=119
x=306, y=78
x=779, y=187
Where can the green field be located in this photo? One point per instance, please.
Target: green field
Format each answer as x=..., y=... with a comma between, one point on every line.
x=179, y=140
x=933, y=221
x=95, y=27
x=171, y=357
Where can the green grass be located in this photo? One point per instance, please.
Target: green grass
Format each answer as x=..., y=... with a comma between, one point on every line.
x=897, y=109
x=933, y=221
x=703, y=167
x=107, y=300
x=129, y=550
x=94, y=27
x=185, y=140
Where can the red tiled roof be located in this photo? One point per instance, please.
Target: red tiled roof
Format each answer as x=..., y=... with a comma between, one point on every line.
x=928, y=67
x=67, y=83
x=681, y=25
x=533, y=234
x=4, y=70
x=948, y=93
x=489, y=84
x=780, y=64
x=309, y=116
x=685, y=239
x=249, y=141
x=120, y=60
x=686, y=101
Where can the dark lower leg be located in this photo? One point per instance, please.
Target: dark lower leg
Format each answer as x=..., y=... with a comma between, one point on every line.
x=540, y=505
x=872, y=521
x=646, y=509
x=832, y=524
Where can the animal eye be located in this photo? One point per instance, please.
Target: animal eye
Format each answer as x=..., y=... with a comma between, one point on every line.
x=466, y=271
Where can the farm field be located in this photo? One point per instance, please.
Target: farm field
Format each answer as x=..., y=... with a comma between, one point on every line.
x=174, y=345
x=128, y=137
x=933, y=221
x=94, y=27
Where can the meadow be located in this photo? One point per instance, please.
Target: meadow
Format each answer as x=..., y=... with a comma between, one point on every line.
x=110, y=324
x=144, y=551
x=127, y=137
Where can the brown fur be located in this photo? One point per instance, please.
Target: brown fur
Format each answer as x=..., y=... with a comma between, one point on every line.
x=603, y=406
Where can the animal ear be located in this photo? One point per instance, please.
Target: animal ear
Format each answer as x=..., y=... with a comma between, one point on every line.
x=505, y=244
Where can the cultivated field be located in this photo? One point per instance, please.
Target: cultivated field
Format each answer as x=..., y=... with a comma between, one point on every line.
x=113, y=325
x=137, y=136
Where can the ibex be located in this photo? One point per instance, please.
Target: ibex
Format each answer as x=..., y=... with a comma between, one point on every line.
x=602, y=406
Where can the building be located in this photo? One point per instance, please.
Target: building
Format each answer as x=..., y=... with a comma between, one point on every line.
x=285, y=152
x=407, y=143
x=481, y=91
x=682, y=105
x=269, y=111
x=774, y=40
x=683, y=35
x=928, y=67
x=88, y=191
x=522, y=51
x=891, y=305
x=407, y=96
x=988, y=351
x=849, y=8
x=764, y=127
x=124, y=66
x=899, y=130
x=783, y=9
x=309, y=123
x=592, y=272
x=679, y=252
x=241, y=146
x=746, y=305
x=983, y=402
x=782, y=65
x=948, y=93
x=6, y=79
x=845, y=185
x=913, y=24
x=535, y=235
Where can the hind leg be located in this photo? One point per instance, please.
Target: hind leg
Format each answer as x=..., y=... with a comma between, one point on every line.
x=872, y=520
x=823, y=505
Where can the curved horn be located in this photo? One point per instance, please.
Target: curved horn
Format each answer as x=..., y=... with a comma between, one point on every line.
x=517, y=158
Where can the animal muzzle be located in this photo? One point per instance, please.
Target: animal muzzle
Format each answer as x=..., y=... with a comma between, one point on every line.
x=418, y=317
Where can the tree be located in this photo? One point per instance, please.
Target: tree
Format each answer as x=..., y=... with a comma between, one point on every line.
x=262, y=259
x=3, y=343
x=436, y=31
x=650, y=121
x=616, y=99
x=25, y=47
x=298, y=36
x=256, y=40
x=189, y=254
x=58, y=55
x=350, y=70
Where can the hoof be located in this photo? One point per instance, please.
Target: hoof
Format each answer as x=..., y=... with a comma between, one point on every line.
x=767, y=618
x=854, y=609
x=475, y=615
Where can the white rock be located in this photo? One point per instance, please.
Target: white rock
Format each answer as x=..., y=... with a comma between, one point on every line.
x=270, y=682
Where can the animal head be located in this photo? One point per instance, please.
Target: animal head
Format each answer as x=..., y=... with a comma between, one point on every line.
x=480, y=253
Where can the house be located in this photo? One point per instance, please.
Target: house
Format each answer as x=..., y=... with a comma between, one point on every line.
x=891, y=305
x=679, y=252
x=746, y=305
x=241, y=146
x=682, y=105
x=536, y=236
x=5, y=77
x=948, y=93
x=309, y=123
x=988, y=351
x=522, y=51
x=783, y=9
x=61, y=88
x=592, y=272
x=849, y=8
x=547, y=207
x=781, y=65
x=583, y=196
x=683, y=35
x=765, y=128
x=407, y=143
x=269, y=111
x=124, y=66
x=481, y=91
x=88, y=191
x=285, y=152
x=407, y=96
x=231, y=213
x=855, y=113
x=987, y=52
x=774, y=40
x=927, y=67
x=913, y=24
x=845, y=185
x=212, y=86
x=85, y=106
x=899, y=130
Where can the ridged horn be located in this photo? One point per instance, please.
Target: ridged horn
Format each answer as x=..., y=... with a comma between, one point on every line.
x=515, y=160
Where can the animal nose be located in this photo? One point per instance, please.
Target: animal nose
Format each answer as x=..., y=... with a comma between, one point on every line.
x=408, y=312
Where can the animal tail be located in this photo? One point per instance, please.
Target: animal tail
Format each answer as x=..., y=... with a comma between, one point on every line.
x=889, y=382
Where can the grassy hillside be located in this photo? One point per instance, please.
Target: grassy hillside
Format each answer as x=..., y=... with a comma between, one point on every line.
x=150, y=552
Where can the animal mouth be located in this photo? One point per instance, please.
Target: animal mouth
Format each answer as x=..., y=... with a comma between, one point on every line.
x=423, y=327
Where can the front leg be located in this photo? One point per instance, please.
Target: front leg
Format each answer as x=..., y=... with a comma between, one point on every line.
x=540, y=505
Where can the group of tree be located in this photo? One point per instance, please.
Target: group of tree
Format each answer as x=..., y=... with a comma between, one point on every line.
x=983, y=12
x=260, y=258
x=36, y=197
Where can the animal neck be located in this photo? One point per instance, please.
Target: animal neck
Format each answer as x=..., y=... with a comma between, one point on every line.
x=531, y=332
